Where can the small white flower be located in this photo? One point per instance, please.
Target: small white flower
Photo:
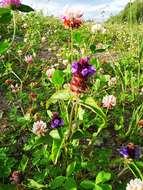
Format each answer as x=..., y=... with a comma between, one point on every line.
x=19, y=52
x=98, y=28
x=25, y=40
x=39, y=128
x=109, y=101
x=112, y=81
x=24, y=25
x=50, y=72
x=43, y=39
x=65, y=62
x=135, y=184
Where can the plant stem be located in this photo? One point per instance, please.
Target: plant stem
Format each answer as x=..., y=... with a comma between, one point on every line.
x=70, y=121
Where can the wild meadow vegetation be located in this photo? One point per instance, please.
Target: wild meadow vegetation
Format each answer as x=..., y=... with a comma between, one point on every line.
x=71, y=101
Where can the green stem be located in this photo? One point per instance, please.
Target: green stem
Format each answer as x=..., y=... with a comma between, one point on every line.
x=124, y=169
x=70, y=121
x=137, y=169
x=14, y=30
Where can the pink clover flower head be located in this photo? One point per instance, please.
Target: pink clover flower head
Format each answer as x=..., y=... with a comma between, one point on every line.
x=6, y=3
x=39, y=128
x=109, y=101
x=135, y=184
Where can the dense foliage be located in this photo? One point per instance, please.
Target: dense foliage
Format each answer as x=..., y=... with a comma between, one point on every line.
x=71, y=108
x=133, y=12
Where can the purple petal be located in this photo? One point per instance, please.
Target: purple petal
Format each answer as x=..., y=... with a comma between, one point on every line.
x=75, y=67
x=137, y=152
x=85, y=72
x=91, y=69
x=61, y=122
x=124, y=151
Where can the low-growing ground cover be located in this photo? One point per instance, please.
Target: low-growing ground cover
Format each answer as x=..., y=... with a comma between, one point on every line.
x=71, y=103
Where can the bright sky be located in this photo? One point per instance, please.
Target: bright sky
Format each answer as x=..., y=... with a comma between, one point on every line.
x=93, y=9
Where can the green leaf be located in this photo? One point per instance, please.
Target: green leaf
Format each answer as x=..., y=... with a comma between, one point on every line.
x=56, y=150
x=7, y=187
x=5, y=17
x=106, y=187
x=4, y=11
x=97, y=187
x=59, y=95
x=70, y=184
x=23, y=163
x=103, y=177
x=3, y=47
x=78, y=134
x=100, y=50
x=77, y=37
x=34, y=184
x=141, y=51
x=70, y=168
x=58, y=182
x=93, y=48
x=25, y=8
x=87, y=184
x=55, y=134
x=58, y=78
x=92, y=105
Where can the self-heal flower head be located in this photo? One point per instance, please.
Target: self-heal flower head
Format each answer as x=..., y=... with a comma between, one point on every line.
x=39, y=128
x=81, y=70
x=6, y=3
x=56, y=121
x=135, y=184
x=109, y=101
x=130, y=151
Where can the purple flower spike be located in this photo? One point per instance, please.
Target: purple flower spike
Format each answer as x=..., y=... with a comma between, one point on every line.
x=56, y=121
x=82, y=68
